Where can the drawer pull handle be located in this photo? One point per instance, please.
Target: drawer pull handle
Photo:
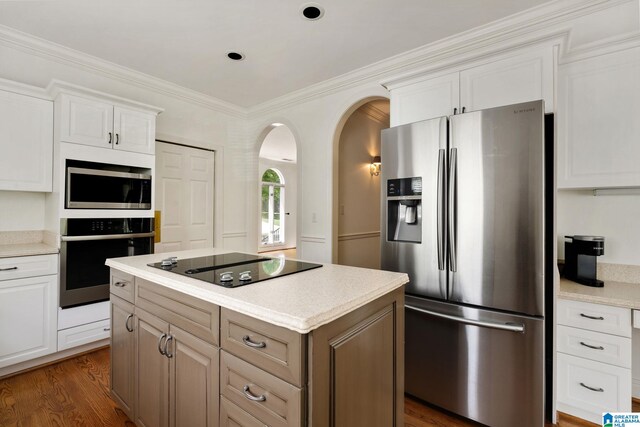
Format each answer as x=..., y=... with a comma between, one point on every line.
x=599, y=390
x=126, y=323
x=595, y=347
x=8, y=269
x=247, y=341
x=252, y=396
x=120, y=284
x=591, y=317
x=106, y=329
x=160, y=340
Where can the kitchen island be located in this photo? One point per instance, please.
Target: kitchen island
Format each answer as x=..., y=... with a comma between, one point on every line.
x=317, y=348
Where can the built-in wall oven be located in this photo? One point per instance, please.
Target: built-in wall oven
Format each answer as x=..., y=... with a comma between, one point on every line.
x=85, y=245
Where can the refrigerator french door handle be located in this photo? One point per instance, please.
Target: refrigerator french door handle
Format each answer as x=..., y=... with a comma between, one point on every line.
x=512, y=327
x=453, y=172
x=440, y=208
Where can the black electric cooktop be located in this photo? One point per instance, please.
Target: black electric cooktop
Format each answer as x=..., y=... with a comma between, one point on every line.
x=233, y=269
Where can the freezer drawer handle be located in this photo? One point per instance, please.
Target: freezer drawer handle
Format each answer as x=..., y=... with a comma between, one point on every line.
x=595, y=347
x=599, y=389
x=513, y=327
x=592, y=317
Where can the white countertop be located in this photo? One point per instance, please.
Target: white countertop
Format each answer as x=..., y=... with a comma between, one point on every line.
x=617, y=294
x=301, y=302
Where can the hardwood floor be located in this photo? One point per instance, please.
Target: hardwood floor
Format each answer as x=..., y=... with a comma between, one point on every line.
x=75, y=392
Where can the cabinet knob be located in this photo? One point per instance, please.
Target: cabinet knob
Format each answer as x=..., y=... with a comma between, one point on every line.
x=120, y=284
x=455, y=111
x=463, y=108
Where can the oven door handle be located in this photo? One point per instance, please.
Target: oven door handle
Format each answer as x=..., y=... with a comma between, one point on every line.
x=106, y=237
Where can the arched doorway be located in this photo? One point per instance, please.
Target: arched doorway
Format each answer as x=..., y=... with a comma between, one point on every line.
x=358, y=189
x=278, y=174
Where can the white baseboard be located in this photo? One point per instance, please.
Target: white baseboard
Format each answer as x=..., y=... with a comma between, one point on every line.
x=51, y=358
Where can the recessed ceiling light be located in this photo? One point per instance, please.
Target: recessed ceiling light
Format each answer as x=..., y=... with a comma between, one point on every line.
x=312, y=11
x=235, y=56
x=275, y=125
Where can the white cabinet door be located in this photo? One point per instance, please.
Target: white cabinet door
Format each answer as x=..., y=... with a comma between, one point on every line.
x=26, y=138
x=424, y=100
x=599, y=121
x=521, y=78
x=134, y=130
x=27, y=318
x=86, y=121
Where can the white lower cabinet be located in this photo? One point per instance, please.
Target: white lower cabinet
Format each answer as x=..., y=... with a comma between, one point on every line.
x=83, y=334
x=594, y=359
x=27, y=318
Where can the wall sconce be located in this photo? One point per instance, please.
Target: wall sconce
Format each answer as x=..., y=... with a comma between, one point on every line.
x=376, y=166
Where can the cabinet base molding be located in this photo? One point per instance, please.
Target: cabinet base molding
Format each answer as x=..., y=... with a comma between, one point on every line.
x=573, y=420
x=30, y=365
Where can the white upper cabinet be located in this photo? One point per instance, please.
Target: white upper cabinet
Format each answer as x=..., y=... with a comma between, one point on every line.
x=134, y=130
x=426, y=99
x=509, y=81
x=26, y=138
x=599, y=122
x=506, y=80
x=105, y=124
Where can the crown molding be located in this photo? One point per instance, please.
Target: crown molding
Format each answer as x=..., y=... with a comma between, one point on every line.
x=530, y=27
x=24, y=89
x=46, y=49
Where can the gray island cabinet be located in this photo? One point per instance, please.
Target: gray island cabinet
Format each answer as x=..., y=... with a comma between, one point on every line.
x=320, y=348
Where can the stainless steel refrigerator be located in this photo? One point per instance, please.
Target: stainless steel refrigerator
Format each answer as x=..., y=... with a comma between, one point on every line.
x=463, y=213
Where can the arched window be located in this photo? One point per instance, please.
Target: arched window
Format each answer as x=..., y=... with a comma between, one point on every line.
x=272, y=208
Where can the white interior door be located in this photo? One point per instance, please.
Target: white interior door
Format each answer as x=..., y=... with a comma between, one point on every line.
x=184, y=197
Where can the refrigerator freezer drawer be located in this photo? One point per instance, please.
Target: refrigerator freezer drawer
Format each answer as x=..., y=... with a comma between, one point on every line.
x=483, y=365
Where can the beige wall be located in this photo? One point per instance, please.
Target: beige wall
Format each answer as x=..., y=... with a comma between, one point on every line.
x=359, y=191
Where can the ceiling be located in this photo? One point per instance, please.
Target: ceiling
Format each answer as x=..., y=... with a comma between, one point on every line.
x=186, y=42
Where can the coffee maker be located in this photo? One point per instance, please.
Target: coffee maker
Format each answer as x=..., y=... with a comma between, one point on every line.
x=580, y=254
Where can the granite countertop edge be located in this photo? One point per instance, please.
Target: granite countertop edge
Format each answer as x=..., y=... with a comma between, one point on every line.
x=617, y=294
x=26, y=249
x=301, y=325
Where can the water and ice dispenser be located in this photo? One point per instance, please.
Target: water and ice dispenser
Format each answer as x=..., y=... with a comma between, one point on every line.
x=404, y=210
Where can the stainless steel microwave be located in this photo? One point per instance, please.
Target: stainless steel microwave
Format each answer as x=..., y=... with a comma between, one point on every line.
x=89, y=188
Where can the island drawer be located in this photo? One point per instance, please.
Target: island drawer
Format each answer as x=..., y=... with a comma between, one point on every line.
x=28, y=266
x=605, y=348
x=275, y=349
x=121, y=284
x=264, y=396
x=232, y=416
x=193, y=315
x=595, y=317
